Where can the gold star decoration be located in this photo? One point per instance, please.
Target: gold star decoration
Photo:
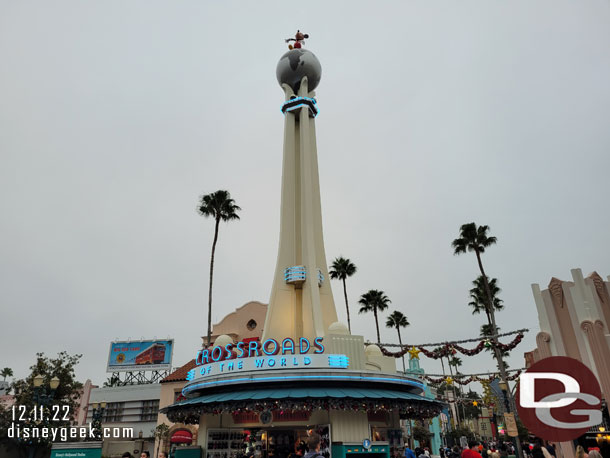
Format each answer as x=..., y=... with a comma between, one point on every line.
x=449, y=381
x=475, y=403
x=414, y=353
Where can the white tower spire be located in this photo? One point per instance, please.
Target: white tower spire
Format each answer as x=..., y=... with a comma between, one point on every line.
x=301, y=303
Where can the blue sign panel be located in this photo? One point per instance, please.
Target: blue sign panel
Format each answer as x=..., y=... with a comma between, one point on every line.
x=140, y=355
x=341, y=361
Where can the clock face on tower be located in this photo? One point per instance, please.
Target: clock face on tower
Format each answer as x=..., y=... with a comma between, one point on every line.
x=265, y=417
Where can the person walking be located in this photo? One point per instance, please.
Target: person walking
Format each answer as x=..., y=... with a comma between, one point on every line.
x=471, y=451
x=313, y=442
x=580, y=452
x=409, y=453
x=300, y=449
x=537, y=452
x=455, y=452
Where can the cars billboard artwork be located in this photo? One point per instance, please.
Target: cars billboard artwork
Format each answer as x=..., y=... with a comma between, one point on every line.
x=140, y=355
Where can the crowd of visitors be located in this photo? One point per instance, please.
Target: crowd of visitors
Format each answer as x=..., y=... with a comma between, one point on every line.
x=476, y=449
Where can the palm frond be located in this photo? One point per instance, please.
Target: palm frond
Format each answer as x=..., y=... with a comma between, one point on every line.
x=374, y=299
x=341, y=268
x=473, y=238
x=397, y=320
x=478, y=294
x=219, y=205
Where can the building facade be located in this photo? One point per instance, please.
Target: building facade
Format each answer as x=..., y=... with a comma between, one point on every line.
x=244, y=323
x=82, y=410
x=130, y=408
x=574, y=318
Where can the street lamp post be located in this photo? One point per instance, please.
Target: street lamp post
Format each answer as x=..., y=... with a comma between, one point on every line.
x=507, y=406
x=141, y=437
x=96, y=417
x=42, y=397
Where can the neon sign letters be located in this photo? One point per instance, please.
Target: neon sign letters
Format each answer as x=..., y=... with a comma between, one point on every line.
x=269, y=347
x=264, y=363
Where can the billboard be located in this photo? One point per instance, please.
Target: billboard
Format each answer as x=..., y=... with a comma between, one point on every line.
x=140, y=355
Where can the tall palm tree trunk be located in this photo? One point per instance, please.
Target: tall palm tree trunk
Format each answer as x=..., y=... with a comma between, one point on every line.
x=447, y=387
x=488, y=316
x=501, y=367
x=455, y=398
x=403, y=356
x=211, y=279
x=377, y=324
x=459, y=391
x=492, y=318
x=349, y=325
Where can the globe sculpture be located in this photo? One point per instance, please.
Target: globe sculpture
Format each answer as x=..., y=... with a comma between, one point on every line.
x=296, y=64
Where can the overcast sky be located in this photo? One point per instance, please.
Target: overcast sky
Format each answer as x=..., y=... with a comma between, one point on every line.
x=116, y=116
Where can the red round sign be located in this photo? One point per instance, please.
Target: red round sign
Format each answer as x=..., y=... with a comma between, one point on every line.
x=559, y=399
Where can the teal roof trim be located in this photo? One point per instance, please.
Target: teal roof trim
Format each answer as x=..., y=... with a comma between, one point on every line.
x=299, y=393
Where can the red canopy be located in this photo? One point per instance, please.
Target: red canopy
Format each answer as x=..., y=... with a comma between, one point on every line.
x=182, y=436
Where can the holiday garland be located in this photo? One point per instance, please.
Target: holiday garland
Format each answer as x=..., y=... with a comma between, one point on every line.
x=449, y=349
x=453, y=342
x=465, y=401
x=461, y=380
x=412, y=409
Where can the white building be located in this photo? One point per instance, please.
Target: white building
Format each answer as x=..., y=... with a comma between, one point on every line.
x=131, y=406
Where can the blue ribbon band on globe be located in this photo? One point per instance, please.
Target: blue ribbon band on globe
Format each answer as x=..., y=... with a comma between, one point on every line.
x=299, y=102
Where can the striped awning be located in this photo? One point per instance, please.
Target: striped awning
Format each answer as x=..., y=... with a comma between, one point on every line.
x=181, y=437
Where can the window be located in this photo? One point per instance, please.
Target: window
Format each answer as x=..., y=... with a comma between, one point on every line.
x=150, y=409
x=251, y=325
x=113, y=412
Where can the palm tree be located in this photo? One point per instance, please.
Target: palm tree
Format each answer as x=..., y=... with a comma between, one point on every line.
x=340, y=269
x=486, y=331
x=398, y=320
x=475, y=238
x=374, y=301
x=6, y=372
x=111, y=381
x=478, y=294
x=221, y=207
x=456, y=362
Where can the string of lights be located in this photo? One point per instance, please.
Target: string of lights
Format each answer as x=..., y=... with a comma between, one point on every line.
x=453, y=342
x=477, y=375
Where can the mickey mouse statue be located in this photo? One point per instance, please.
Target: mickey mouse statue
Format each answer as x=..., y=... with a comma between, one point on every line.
x=299, y=40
